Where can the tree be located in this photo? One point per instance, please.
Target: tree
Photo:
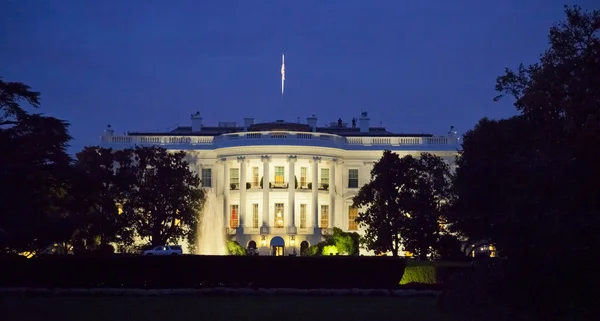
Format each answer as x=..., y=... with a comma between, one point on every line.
x=100, y=189
x=382, y=199
x=428, y=205
x=404, y=203
x=34, y=169
x=165, y=198
x=542, y=156
x=530, y=183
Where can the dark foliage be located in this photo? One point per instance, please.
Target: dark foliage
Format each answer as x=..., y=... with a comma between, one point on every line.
x=203, y=271
x=530, y=183
x=34, y=174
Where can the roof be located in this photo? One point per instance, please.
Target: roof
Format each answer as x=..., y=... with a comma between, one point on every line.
x=278, y=126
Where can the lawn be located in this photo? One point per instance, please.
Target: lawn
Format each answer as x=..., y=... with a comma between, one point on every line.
x=263, y=308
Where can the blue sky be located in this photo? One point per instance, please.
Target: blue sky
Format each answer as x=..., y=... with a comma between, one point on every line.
x=415, y=66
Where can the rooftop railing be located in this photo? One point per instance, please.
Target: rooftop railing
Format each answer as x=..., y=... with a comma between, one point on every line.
x=278, y=138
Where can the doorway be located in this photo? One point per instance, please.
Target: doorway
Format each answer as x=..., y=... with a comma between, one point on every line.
x=277, y=246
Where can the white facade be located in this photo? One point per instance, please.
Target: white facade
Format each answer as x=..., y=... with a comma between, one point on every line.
x=330, y=164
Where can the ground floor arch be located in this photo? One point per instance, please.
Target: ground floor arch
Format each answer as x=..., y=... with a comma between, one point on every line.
x=277, y=246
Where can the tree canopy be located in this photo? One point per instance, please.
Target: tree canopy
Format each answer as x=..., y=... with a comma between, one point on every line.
x=403, y=203
x=165, y=198
x=34, y=169
x=529, y=183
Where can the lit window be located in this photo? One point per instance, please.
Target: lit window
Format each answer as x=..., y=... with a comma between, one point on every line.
x=352, y=215
x=234, y=176
x=234, y=220
x=324, y=177
x=353, y=178
x=206, y=177
x=254, y=215
x=303, y=182
x=324, y=216
x=302, y=215
x=254, y=176
x=279, y=215
x=279, y=176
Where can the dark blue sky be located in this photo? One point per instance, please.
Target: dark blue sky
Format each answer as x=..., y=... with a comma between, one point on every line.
x=415, y=66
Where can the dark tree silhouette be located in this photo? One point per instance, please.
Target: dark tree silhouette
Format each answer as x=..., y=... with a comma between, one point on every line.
x=34, y=169
x=165, y=198
x=530, y=183
x=403, y=203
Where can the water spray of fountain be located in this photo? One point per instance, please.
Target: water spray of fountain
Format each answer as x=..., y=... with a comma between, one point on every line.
x=211, y=232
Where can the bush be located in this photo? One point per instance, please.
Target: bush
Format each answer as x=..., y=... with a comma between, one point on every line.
x=191, y=271
x=419, y=274
x=235, y=248
x=431, y=272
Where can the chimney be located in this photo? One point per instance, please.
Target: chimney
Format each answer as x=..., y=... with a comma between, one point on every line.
x=312, y=122
x=108, y=132
x=196, y=122
x=364, y=122
x=247, y=123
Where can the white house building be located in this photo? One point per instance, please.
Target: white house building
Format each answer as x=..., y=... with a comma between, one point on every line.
x=284, y=185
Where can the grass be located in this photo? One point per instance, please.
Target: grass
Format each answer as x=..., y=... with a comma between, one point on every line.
x=264, y=308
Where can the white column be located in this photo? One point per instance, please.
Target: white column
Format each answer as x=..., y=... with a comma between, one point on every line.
x=226, y=188
x=242, y=161
x=265, y=206
x=332, y=190
x=315, y=194
x=291, y=217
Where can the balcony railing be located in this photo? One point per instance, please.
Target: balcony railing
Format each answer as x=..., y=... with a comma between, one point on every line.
x=278, y=138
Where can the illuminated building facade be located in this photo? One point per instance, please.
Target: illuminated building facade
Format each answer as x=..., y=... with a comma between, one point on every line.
x=282, y=186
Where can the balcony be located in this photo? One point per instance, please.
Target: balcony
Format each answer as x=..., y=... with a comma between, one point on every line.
x=278, y=185
x=285, y=138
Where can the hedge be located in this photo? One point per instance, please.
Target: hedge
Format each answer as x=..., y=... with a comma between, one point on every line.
x=333, y=272
x=430, y=272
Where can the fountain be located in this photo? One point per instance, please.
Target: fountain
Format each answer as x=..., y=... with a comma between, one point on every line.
x=211, y=232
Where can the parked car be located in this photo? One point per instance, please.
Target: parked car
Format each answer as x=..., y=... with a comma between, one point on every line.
x=165, y=250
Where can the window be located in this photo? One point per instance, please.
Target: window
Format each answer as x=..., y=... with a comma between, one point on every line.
x=279, y=177
x=352, y=215
x=324, y=176
x=279, y=215
x=234, y=219
x=234, y=176
x=254, y=215
x=302, y=215
x=353, y=178
x=324, y=216
x=254, y=176
x=206, y=177
x=303, y=182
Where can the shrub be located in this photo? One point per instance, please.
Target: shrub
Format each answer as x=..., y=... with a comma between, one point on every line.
x=419, y=274
x=248, y=186
x=330, y=250
x=235, y=248
x=431, y=272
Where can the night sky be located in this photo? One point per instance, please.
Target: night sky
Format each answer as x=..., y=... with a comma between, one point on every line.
x=415, y=66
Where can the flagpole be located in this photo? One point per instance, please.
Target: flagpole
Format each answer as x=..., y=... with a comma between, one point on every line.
x=282, y=80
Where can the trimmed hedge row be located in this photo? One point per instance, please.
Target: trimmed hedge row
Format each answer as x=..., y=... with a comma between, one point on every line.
x=333, y=272
x=430, y=272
